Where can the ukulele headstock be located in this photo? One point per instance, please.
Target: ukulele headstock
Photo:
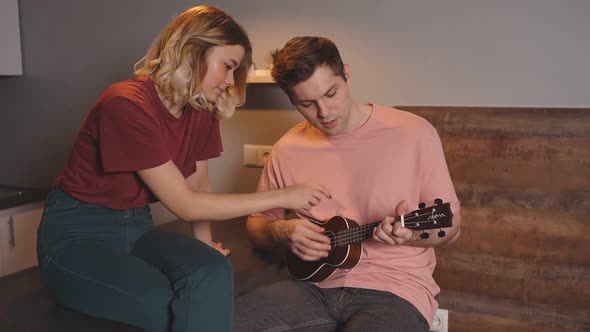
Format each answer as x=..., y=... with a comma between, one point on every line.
x=432, y=217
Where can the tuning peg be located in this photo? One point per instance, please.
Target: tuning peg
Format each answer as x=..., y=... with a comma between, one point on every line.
x=438, y=201
x=442, y=233
x=422, y=205
x=424, y=236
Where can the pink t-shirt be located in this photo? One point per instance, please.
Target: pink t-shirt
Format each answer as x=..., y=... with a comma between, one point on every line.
x=394, y=156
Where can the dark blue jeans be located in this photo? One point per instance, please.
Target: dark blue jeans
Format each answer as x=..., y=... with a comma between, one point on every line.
x=301, y=306
x=115, y=265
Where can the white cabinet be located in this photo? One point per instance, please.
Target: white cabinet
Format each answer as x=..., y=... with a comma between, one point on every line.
x=10, y=46
x=18, y=237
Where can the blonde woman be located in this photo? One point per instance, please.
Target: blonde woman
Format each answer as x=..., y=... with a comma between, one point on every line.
x=147, y=139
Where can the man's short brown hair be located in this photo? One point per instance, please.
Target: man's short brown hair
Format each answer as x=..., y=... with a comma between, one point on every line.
x=301, y=56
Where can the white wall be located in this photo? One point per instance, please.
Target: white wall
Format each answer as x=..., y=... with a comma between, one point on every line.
x=451, y=52
x=402, y=52
x=420, y=52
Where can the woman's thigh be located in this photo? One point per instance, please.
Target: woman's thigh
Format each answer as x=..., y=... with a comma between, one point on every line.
x=200, y=277
x=178, y=255
x=67, y=220
x=106, y=283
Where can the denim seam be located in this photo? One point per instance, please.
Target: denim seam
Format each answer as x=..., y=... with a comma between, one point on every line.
x=41, y=234
x=341, y=302
x=310, y=323
x=98, y=282
x=188, y=319
x=126, y=245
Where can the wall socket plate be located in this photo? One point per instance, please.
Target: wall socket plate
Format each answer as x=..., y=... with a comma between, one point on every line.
x=256, y=155
x=440, y=323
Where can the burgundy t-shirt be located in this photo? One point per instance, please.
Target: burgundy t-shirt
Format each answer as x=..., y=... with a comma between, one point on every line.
x=130, y=129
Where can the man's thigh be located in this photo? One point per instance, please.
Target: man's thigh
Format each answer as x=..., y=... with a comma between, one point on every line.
x=284, y=306
x=377, y=311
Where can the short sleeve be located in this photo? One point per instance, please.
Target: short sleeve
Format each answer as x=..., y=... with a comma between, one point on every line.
x=129, y=138
x=208, y=143
x=435, y=178
x=271, y=180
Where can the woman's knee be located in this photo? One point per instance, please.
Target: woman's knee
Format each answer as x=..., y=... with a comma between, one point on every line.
x=216, y=268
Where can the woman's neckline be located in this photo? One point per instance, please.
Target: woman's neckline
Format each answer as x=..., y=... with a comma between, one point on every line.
x=160, y=101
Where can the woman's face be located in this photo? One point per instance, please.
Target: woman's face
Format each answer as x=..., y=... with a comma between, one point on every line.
x=222, y=61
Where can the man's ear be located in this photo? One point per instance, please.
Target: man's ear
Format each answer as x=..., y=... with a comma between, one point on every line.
x=347, y=73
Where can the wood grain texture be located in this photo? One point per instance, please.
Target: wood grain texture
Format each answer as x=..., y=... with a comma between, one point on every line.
x=522, y=262
x=479, y=313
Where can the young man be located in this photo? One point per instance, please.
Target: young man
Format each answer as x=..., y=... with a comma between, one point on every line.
x=377, y=163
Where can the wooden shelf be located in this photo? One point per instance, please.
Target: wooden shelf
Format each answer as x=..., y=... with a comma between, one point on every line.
x=260, y=76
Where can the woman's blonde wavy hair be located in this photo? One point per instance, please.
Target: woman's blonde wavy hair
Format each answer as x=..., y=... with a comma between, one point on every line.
x=176, y=61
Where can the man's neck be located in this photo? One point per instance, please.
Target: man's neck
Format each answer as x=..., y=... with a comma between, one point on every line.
x=360, y=115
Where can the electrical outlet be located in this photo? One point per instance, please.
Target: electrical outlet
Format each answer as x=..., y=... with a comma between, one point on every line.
x=256, y=155
x=263, y=154
x=440, y=323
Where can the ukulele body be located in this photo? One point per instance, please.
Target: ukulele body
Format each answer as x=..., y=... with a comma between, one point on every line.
x=347, y=249
x=343, y=257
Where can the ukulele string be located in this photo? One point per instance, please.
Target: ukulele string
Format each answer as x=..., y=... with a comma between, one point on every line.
x=365, y=231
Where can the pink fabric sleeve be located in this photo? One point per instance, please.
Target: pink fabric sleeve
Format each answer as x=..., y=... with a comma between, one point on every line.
x=270, y=180
x=436, y=180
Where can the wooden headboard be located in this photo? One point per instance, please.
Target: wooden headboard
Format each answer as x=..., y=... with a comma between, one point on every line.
x=522, y=262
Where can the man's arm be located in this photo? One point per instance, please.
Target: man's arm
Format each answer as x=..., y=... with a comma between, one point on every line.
x=435, y=180
x=275, y=229
x=304, y=238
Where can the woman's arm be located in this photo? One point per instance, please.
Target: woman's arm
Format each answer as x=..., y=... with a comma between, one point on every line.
x=168, y=184
x=200, y=182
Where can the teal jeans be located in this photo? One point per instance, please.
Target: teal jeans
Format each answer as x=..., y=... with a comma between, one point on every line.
x=116, y=265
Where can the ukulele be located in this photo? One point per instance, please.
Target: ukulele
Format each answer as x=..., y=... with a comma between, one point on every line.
x=346, y=240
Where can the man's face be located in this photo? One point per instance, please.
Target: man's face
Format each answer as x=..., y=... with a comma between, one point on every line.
x=325, y=102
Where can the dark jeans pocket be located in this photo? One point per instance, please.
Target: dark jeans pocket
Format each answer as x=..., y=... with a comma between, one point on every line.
x=58, y=200
x=59, y=213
